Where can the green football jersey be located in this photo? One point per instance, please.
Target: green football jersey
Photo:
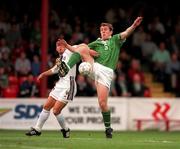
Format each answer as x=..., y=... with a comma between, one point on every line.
x=108, y=50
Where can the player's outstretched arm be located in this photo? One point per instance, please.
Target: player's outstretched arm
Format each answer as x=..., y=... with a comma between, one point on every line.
x=131, y=29
x=44, y=74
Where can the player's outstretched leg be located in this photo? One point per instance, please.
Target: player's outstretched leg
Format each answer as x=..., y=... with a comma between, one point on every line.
x=33, y=132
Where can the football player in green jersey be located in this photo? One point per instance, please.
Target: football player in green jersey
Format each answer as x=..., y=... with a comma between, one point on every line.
x=104, y=62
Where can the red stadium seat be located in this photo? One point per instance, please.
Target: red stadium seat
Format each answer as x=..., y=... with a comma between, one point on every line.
x=147, y=93
x=15, y=87
x=10, y=92
x=13, y=80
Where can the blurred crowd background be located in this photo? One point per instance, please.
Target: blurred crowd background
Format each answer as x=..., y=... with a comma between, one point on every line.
x=153, y=48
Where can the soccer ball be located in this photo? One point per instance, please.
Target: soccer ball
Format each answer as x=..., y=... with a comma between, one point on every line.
x=85, y=68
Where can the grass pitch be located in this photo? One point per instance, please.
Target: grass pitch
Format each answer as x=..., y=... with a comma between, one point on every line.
x=13, y=139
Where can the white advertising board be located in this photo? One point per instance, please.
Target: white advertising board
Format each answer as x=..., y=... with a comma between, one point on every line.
x=161, y=114
x=81, y=114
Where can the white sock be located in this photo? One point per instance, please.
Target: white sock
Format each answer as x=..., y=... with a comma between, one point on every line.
x=61, y=121
x=43, y=116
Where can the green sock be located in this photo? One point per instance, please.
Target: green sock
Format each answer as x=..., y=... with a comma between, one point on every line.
x=107, y=119
x=74, y=59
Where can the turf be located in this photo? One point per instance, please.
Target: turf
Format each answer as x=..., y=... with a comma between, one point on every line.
x=13, y=139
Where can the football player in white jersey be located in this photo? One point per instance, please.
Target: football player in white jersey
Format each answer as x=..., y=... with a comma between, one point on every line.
x=63, y=92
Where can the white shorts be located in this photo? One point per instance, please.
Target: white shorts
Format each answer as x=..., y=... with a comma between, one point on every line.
x=64, y=91
x=102, y=74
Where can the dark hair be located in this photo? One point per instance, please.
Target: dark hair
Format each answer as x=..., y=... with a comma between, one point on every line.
x=107, y=24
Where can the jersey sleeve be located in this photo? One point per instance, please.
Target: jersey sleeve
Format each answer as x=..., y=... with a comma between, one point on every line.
x=117, y=39
x=92, y=45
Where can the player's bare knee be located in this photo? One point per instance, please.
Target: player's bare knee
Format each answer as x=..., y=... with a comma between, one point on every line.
x=47, y=108
x=103, y=105
x=83, y=49
x=83, y=45
x=56, y=111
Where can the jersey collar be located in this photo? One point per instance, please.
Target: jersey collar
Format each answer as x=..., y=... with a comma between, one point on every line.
x=104, y=40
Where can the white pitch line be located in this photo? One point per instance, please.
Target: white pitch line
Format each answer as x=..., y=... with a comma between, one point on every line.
x=34, y=147
x=87, y=138
x=157, y=141
x=28, y=147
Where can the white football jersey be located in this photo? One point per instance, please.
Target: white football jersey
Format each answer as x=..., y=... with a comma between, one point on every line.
x=63, y=81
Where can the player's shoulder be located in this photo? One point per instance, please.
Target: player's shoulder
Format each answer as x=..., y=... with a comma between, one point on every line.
x=95, y=42
x=116, y=36
x=67, y=52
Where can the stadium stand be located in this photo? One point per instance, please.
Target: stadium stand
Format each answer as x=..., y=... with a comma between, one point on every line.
x=21, y=34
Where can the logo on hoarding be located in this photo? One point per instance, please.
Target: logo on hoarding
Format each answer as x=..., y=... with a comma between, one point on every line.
x=27, y=111
x=161, y=110
x=4, y=111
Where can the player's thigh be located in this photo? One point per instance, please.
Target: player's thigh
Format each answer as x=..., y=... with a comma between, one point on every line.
x=83, y=50
x=58, y=106
x=103, y=75
x=102, y=92
x=49, y=103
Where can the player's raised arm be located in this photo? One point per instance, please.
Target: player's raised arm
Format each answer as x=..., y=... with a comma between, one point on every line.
x=46, y=73
x=130, y=29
